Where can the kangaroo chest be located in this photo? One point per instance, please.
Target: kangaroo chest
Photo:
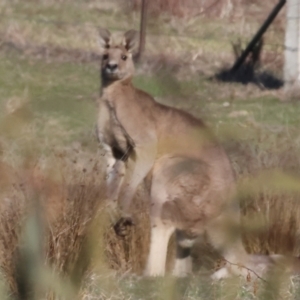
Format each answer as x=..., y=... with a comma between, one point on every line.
x=111, y=131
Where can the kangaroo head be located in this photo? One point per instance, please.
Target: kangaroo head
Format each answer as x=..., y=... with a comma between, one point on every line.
x=117, y=63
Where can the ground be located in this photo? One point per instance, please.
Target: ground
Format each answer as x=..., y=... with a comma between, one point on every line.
x=50, y=159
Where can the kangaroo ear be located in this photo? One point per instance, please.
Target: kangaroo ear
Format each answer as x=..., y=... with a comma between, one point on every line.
x=105, y=38
x=130, y=40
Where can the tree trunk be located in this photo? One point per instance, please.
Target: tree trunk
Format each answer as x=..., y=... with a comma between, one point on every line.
x=292, y=40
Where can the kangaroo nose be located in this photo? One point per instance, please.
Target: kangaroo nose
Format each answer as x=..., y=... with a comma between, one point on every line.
x=112, y=67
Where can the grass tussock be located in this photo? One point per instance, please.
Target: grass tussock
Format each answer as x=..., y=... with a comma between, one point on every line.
x=55, y=220
x=65, y=195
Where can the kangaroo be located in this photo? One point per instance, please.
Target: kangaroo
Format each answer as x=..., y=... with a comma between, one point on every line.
x=192, y=184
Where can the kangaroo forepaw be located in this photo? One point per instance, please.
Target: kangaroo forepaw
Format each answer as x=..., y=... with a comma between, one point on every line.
x=122, y=227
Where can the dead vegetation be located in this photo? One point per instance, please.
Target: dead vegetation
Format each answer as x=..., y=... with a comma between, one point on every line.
x=64, y=185
x=208, y=8
x=65, y=188
x=65, y=193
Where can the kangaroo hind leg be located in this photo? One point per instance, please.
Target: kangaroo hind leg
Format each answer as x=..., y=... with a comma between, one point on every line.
x=224, y=235
x=183, y=261
x=161, y=231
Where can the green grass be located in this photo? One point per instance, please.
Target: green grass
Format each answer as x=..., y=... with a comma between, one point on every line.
x=69, y=90
x=197, y=287
x=70, y=11
x=66, y=92
x=74, y=23
x=56, y=106
x=54, y=89
x=267, y=110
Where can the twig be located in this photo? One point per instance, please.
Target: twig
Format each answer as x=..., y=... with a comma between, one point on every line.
x=241, y=266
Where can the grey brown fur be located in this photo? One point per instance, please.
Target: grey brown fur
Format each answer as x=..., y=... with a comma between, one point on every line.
x=192, y=184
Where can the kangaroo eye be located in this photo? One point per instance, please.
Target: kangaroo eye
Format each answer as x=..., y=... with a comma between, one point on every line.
x=124, y=57
x=105, y=56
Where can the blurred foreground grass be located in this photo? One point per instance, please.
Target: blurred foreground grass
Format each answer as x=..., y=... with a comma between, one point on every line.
x=49, y=153
x=56, y=237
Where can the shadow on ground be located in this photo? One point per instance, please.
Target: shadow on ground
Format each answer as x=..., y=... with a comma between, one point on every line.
x=247, y=74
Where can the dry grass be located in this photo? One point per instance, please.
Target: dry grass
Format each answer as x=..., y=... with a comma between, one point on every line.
x=55, y=29
x=54, y=217
x=66, y=194
x=57, y=185
x=63, y=195
x=209, y=8
x=62, y=192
